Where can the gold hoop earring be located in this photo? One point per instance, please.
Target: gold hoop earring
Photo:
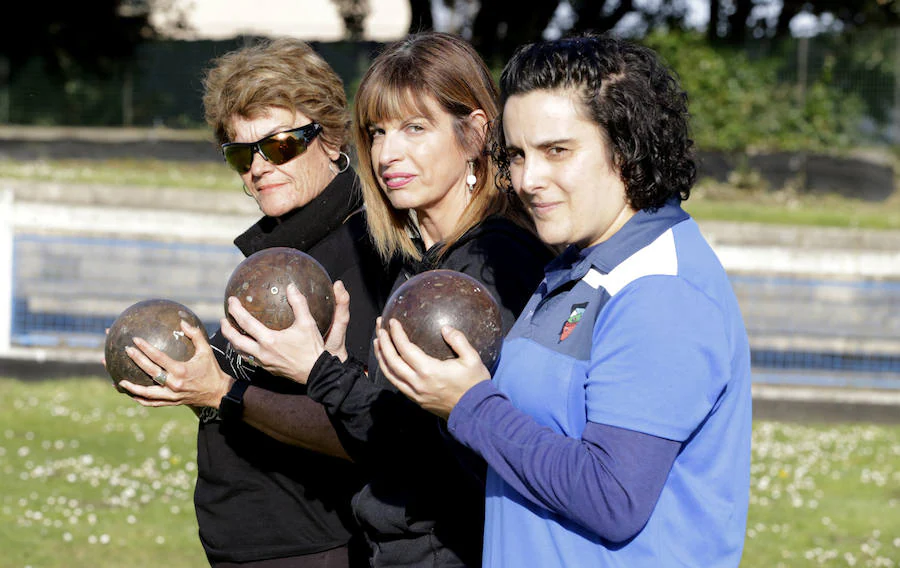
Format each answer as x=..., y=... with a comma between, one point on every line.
x=471, y=180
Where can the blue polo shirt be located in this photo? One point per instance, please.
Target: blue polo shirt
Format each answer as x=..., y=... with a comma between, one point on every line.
x=641, y=334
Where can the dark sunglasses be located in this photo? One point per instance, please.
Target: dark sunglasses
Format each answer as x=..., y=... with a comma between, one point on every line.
x=277, y=148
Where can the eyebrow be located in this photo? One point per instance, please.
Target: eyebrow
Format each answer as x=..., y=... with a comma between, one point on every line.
x=543, y=145
x=279, y=130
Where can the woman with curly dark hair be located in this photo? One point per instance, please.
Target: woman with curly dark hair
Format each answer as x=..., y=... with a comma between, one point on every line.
x=617, y=425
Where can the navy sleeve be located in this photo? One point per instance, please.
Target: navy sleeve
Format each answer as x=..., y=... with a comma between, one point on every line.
x=608, y=481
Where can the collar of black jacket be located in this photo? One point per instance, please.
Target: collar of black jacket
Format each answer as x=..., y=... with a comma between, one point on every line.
x=305, y=226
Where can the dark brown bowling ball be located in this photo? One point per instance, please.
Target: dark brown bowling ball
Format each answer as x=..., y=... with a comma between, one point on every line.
x=159, y=323
x=430, y=300
x=260, y=283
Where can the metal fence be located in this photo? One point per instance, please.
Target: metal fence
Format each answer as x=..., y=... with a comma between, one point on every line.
x=66, y=290
x=813, y=331
x=161, y=86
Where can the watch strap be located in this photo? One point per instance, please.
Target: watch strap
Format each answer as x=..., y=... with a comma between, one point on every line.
x=232, y=405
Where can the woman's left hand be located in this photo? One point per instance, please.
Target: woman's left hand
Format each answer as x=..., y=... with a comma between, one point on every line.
x=433, y=384
x=290, y=352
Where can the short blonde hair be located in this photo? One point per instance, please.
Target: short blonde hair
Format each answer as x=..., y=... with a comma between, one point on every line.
x=448, y=70
x=284, y=73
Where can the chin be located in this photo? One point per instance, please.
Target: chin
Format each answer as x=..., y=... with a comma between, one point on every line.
x=275, y=210
x=551, y=238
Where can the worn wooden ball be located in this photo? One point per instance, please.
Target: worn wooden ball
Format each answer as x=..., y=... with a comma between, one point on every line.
x=157, y=321
x=430, y=300
x=260, y=283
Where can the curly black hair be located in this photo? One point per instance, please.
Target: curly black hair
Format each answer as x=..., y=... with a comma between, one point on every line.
x=626, y=90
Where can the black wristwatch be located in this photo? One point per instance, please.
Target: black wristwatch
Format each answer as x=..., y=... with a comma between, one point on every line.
x=231, y=408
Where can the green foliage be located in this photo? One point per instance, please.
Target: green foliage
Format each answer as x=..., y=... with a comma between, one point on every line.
x=738, y=103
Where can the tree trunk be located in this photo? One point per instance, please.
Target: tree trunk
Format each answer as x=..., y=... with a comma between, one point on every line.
x=590, y=15
x=422, y=19
x=712, y=27
x=789, y=9
x=737, y=22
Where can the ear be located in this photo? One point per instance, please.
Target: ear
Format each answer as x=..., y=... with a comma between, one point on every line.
x=330, y=151
x=478, y=122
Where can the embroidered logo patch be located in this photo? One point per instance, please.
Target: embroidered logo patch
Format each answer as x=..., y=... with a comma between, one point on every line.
x=574, y=317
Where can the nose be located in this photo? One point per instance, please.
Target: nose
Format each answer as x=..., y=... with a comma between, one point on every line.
x=531, y=175
x=388, y=149
x=258, y=164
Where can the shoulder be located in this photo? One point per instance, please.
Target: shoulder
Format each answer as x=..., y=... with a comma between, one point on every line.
x=347, y=246
x=501, y=242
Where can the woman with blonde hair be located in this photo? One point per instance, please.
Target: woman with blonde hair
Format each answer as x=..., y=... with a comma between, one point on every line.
x=422, y=114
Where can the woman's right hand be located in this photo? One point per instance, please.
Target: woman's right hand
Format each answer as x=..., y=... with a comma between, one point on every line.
x=196, y=382
x=290, y=352
x=433, y=384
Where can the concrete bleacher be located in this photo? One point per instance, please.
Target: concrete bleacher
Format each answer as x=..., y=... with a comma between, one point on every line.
x=822, y=306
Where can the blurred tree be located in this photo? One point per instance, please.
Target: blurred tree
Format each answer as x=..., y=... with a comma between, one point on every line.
x=738, y=104
x=354, y=14
x=502, y=25
x=737, y=21
x=497, y=27
x=74, y=38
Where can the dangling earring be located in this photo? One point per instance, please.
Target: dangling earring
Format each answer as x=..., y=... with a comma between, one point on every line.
x=250, y=195
x=343, y=168
x=471, y=180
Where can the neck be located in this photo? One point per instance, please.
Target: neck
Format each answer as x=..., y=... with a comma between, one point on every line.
x=438, y=221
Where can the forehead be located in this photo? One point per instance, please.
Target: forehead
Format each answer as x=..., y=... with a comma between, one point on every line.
x=543, y=115
x=263, y=123
x=394, y=104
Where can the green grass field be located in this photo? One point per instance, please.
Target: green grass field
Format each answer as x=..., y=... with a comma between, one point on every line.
x=90, y=478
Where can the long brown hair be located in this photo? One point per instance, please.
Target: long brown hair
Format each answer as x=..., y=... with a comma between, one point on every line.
x=401, y=79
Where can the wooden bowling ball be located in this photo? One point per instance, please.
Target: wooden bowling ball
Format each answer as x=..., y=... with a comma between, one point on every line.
x=159, y=323
x=260, y=283
x=430, y=300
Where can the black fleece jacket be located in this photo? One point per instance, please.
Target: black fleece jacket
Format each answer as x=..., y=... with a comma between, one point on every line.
x=423, y=501
x=257, y=498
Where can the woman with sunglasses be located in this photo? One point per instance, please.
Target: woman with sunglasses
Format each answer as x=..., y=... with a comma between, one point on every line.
x=421, y=117
x=280, y=114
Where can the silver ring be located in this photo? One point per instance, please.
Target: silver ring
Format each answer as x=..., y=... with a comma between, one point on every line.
x=161, y=377
x=250, y=359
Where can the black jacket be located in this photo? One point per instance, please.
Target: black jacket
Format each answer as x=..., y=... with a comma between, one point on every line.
x=257, y=498
x=423, y=501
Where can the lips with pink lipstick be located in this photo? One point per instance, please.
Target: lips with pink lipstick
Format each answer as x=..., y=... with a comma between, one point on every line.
x=396, y=180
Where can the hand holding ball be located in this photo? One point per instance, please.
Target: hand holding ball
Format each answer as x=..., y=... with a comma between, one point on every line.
x=260, y=283
x=428, y=301
x=159, y=323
